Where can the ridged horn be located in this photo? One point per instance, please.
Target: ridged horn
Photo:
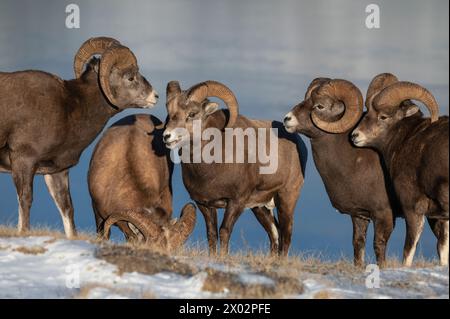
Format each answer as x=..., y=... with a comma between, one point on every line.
x=173, y=88
x=377, y=84
x=351, y=96
x=116, y=56
x=89, y=48
x=207, y=89
x=183, y=228
x=314, y=85
x=141, y=220
x=391, y=97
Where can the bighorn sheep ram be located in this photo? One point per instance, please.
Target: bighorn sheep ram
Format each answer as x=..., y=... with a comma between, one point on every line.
x=130, y=183
x=46, y=123
x=231, y=185
x=415, y=151
x=354, y=178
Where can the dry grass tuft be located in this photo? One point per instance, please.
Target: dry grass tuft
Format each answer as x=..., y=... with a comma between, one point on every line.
x=219, y=282
x=10, y=231
x=260, y=262
x=324, y=294
x=33, y=250
x=146, y=261
x=85, y=291
x=419, y=262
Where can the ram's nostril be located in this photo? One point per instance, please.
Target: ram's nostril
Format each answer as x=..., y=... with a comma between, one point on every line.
x=166, y=137
x=156, y=95
x=355, y=135
x=287, y=118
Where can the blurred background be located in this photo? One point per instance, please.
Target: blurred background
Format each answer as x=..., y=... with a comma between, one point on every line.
x=266, y=51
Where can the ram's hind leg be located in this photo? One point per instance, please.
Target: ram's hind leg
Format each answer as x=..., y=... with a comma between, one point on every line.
x=414, y=228
x=270, y=224
x=440, y=230
x=58, y=187
x=99, y=221
x=286, y=207
x=23, y=169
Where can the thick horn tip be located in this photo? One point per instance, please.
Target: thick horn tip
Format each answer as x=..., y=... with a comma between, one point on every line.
x=173, y=86
x=172, y=83
x=188, y=209
x=385, y=75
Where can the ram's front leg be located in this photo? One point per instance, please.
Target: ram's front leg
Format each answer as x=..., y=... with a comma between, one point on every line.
x=270, y=224
x=232, y=213
x=360, y=226
x=414, y=228
x=210, y=216
x=383, y=228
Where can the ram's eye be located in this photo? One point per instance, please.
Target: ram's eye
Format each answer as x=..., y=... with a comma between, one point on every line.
x=319, y=106
x=131, y=79
x=383, y=117
x=191, y=115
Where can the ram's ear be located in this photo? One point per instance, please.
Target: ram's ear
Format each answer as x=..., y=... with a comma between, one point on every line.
x=96, y=68
x=409, y=108
x=210, y=108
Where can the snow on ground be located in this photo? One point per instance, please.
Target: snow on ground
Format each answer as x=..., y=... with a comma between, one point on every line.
x=42, y=267
x=66, y=266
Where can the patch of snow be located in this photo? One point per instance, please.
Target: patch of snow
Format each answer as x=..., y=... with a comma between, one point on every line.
x=69, y=269
x=255, y=279
x=104, y=293
x=67, y=266
x=394, y=283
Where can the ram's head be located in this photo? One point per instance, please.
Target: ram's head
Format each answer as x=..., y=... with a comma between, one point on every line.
x=388, y=106
x=330, y=106
x=156, y=228
x=118, y=73
x=185, y=107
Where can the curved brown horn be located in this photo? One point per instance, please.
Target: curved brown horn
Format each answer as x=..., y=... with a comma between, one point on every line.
x=141, y=220
x=92, y=46
x=377, y=84
x=351, y=96
x=314, y=85
x=117, y=56
x=391, y=97
x=183, y=228
x=173, y=88
x=206, y=89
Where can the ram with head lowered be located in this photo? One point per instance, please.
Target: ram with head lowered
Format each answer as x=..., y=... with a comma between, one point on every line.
x=46, y=122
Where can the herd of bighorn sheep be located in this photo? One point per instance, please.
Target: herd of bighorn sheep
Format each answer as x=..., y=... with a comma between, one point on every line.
x=387, y=162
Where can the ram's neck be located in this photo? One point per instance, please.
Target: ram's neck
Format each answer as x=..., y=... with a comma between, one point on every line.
x=397, y=139
x=88, y=110
x=330, y=152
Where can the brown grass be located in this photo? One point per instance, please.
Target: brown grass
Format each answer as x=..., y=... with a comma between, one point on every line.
x=33, y=250
x=146, y=261
x=324, y=294
x=261, y=262
x=219, y=281
x=86, y=290
x=9, y=231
